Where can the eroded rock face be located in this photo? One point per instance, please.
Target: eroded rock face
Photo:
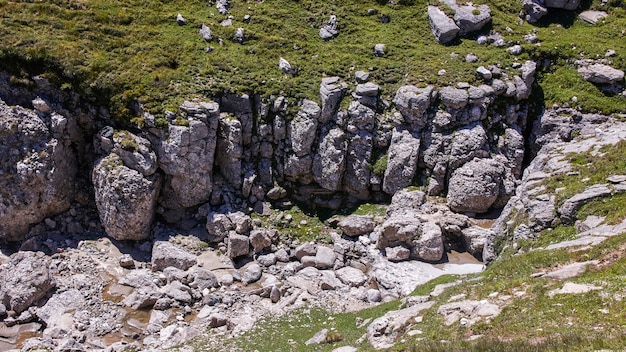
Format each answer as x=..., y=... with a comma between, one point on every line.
x=125, y=198
x=26, y=278
x=402, y=162
x=186, y=153
x=329, y=163
x=37, y=168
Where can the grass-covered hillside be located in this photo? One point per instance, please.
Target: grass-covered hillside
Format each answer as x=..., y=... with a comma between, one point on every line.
x=122, y=52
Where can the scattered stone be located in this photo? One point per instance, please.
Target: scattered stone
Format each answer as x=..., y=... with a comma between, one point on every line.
x=205, y=33
x=351, y=276
x=126, y=261
x=361, y=76
x=318, y=338
x=222, y=6
x=324, y=258
x=471, y=58
x=238, y=245
x=515, y=50
x=471, y=19
x=240, y=35
x=25, y=279
x=397, y=254
x=357, y=225
x=165, y=254
x=329, y=30
x=574, y=288
x=379, y=50
x=252, y=274
x=181, y=20
x=592, y=17
x=285, y=66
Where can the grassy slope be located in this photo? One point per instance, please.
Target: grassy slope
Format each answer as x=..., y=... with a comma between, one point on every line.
x=531, y=321
x=135, y=50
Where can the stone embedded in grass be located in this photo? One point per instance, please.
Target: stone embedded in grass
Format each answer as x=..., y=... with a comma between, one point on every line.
x=484, y=73
x=285, y=66
x=379, y=50
x=205, y=32
x=222, y=6
x=181, y=20
x=601, y=74
x=329, y=30
x=443, y=27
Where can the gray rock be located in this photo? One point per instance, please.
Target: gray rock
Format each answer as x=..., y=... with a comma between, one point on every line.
x=203, y=278
x=305, y=249
x=222, y=6
x=592, y=17
x=397, y=254
x=329, y=30
x=402, y=160
x=484, y=73
x=351, y=276
x=373, y=295
x=515, y=50
x=252, y=274
x=261, y=239
x=318, y=338
x=471, y=58
x=38, y=169
x=324, y=258
x=275, y=294
x=299, y=168
x=186, y=154
x=178, y=292
x=242, y=223
x=568, y=210
x=126, y=261
x=412, y=102
x=383, y=331
x=330, y=161
x=475, y=186
x=601, y=74
x=125, y=199
x=267, y=260
x=471, y=19
x=534, y=10
x=238, y=245
x=285, y=66
x=357, y=225
x=218, y=226
x=361, y=76
x=301, y=131
x=205, y=33
x=453, y=98
x=229, y=149
x=181, y=20
x=379, y=50
x=429, y=246
x=468, y=143
x=357, y=176
x=443, y=27
x=400, y=230
x=26, y=278
x=472, y=311
x=240, y=35
x=475, y=238
x=331, y=93
x=405, y=200
x=165, y=254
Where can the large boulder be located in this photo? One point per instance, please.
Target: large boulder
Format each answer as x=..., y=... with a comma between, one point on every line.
x=442, y=26
x=301, y=131
x=402, y=160
x=356, y=178
x=475, y=186
x=37, y=168
x=125, y=198
x=25, y=278
x=468, y=143
x=601, y=74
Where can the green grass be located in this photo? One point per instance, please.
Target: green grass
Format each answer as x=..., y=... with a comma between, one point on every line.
x=295, y=229
x=121, y=52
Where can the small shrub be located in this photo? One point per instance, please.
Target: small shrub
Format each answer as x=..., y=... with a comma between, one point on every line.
x=380, y=165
